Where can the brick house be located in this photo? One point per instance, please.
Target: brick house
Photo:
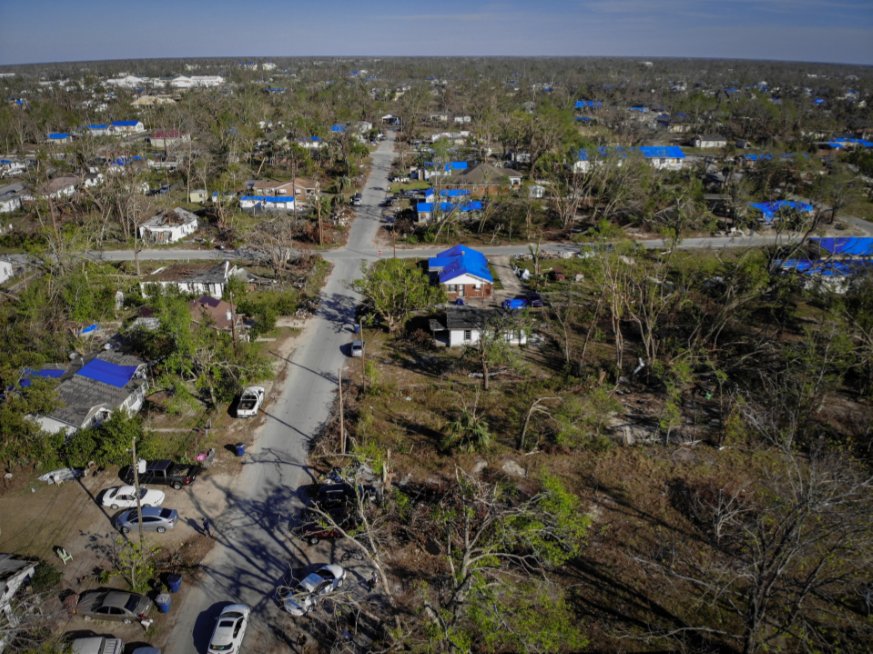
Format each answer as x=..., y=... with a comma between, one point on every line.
x=463, y=272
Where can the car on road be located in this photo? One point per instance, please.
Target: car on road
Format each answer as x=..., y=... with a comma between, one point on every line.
x=250, y=402
x=356, y=349
x=154, y=518
x=357, y=200
x=117, y=605
x=96, y=645
x=124, y=497
x=299, y=597
x=164, y=471
x=230, y=629
x=515, y=304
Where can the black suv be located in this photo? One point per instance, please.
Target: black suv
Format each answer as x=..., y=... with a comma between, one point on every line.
x=165, y=472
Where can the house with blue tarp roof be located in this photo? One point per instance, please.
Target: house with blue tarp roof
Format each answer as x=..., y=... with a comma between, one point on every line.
x=463, y=272
x=664, y=157
x=126, y=126
x=267, y=202
x=835, y=275
x=588, y=104
x=844, y=142
x=755, y=157
x=59, y=137
x=91, y=393
x=98, y=129
x=769, y=210
x=426, y=210
x=846, y=246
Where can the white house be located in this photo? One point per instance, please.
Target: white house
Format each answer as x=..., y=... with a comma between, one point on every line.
x=169, y=226
x=196, y=81
x=462, y=326
x=126, y=82
x=267, y=202
x=11, y=167
x=98, y=129
x=165, y=138
x=59, y=137
x=463, y=120
x=10, y=197
x=192, y=279
x=126, y=127
x=709, y=141
x=664, y=157
x=198, y=196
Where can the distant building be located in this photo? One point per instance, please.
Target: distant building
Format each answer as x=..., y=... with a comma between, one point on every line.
x=165, y=138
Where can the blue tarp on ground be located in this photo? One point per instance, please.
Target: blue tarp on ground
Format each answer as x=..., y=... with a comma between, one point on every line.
x=45, y=373
x=855, y=246
x=107, y=373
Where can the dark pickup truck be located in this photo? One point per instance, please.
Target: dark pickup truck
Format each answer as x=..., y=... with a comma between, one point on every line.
x=164, y=472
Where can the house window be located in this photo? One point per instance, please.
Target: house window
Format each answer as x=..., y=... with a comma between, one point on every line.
x=468, y=334
x=478, y=287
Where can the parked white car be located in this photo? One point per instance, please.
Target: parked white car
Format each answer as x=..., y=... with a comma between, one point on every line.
x=250, y=402
x=300, y=597
x=97, y=645
x=124, y=497
x=230, y=629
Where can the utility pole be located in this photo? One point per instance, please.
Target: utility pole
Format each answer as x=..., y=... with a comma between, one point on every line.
x=342, y=414
x=138, y=502
x=363, y=357
x=318, y=210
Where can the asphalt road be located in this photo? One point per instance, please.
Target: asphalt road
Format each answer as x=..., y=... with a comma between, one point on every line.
x=252, y=551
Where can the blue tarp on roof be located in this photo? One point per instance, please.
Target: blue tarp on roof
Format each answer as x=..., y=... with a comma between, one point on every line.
x=589, y=104
x=752, y=156
x=338, y=128
x=107, y=373
x=125, y=123
x=584, y=119
x=428, y=207
x=826, y=268
x=455, y=165
x=472, y=205
x=98, y=126
x=45, y=373
x=770, y=209
x=453, y=192
x=856, y=246
x=461, y=260
x=582, y=155
x=58, y=136
x=844, y=141
x=640, y=108
x=662, y=152
x=275, y=199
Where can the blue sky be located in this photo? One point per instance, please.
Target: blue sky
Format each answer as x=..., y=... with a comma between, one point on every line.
x=803, y=30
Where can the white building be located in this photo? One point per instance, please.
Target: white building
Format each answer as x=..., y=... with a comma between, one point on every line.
x=196, y=81
x=169, y=226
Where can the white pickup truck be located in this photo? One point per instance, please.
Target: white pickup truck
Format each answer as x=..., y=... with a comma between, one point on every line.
x=250, y=402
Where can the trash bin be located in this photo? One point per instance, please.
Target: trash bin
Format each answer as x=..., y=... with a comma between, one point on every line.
x=163, y=602
x=174, y=583
x=240, y=449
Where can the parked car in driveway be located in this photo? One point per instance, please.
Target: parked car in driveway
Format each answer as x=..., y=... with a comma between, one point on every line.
x=117, y=605
x=356, y=349
x=230, y=629
x=299, y=597
x=515, y=304
x=164, y=471
x=250, y=402
x=96, y=645
x=154, y=518
x=124, y=497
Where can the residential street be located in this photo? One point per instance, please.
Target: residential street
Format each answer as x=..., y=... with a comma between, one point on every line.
x=253, y=550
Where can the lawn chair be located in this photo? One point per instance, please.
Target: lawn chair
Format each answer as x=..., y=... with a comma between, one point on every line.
x=63, y=554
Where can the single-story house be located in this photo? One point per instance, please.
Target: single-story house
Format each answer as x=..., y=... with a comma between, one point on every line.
x=10, y=167
x=583, y=162
x=59, y=137
x=98, y=129
x=664, y=157
x=770, y=210
x=463, y=272
x=10, y=197
x=166, y=138
x=460, y=326
x=485, y=179
x=91, y=393
x=425, y=210
x=197, y=280
x=267, y=202
x=198, y=196
x=60, y=187
x=709, y=141
x=218, y=313
x=298, y=187
x=126, y=126
x=169, y=226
